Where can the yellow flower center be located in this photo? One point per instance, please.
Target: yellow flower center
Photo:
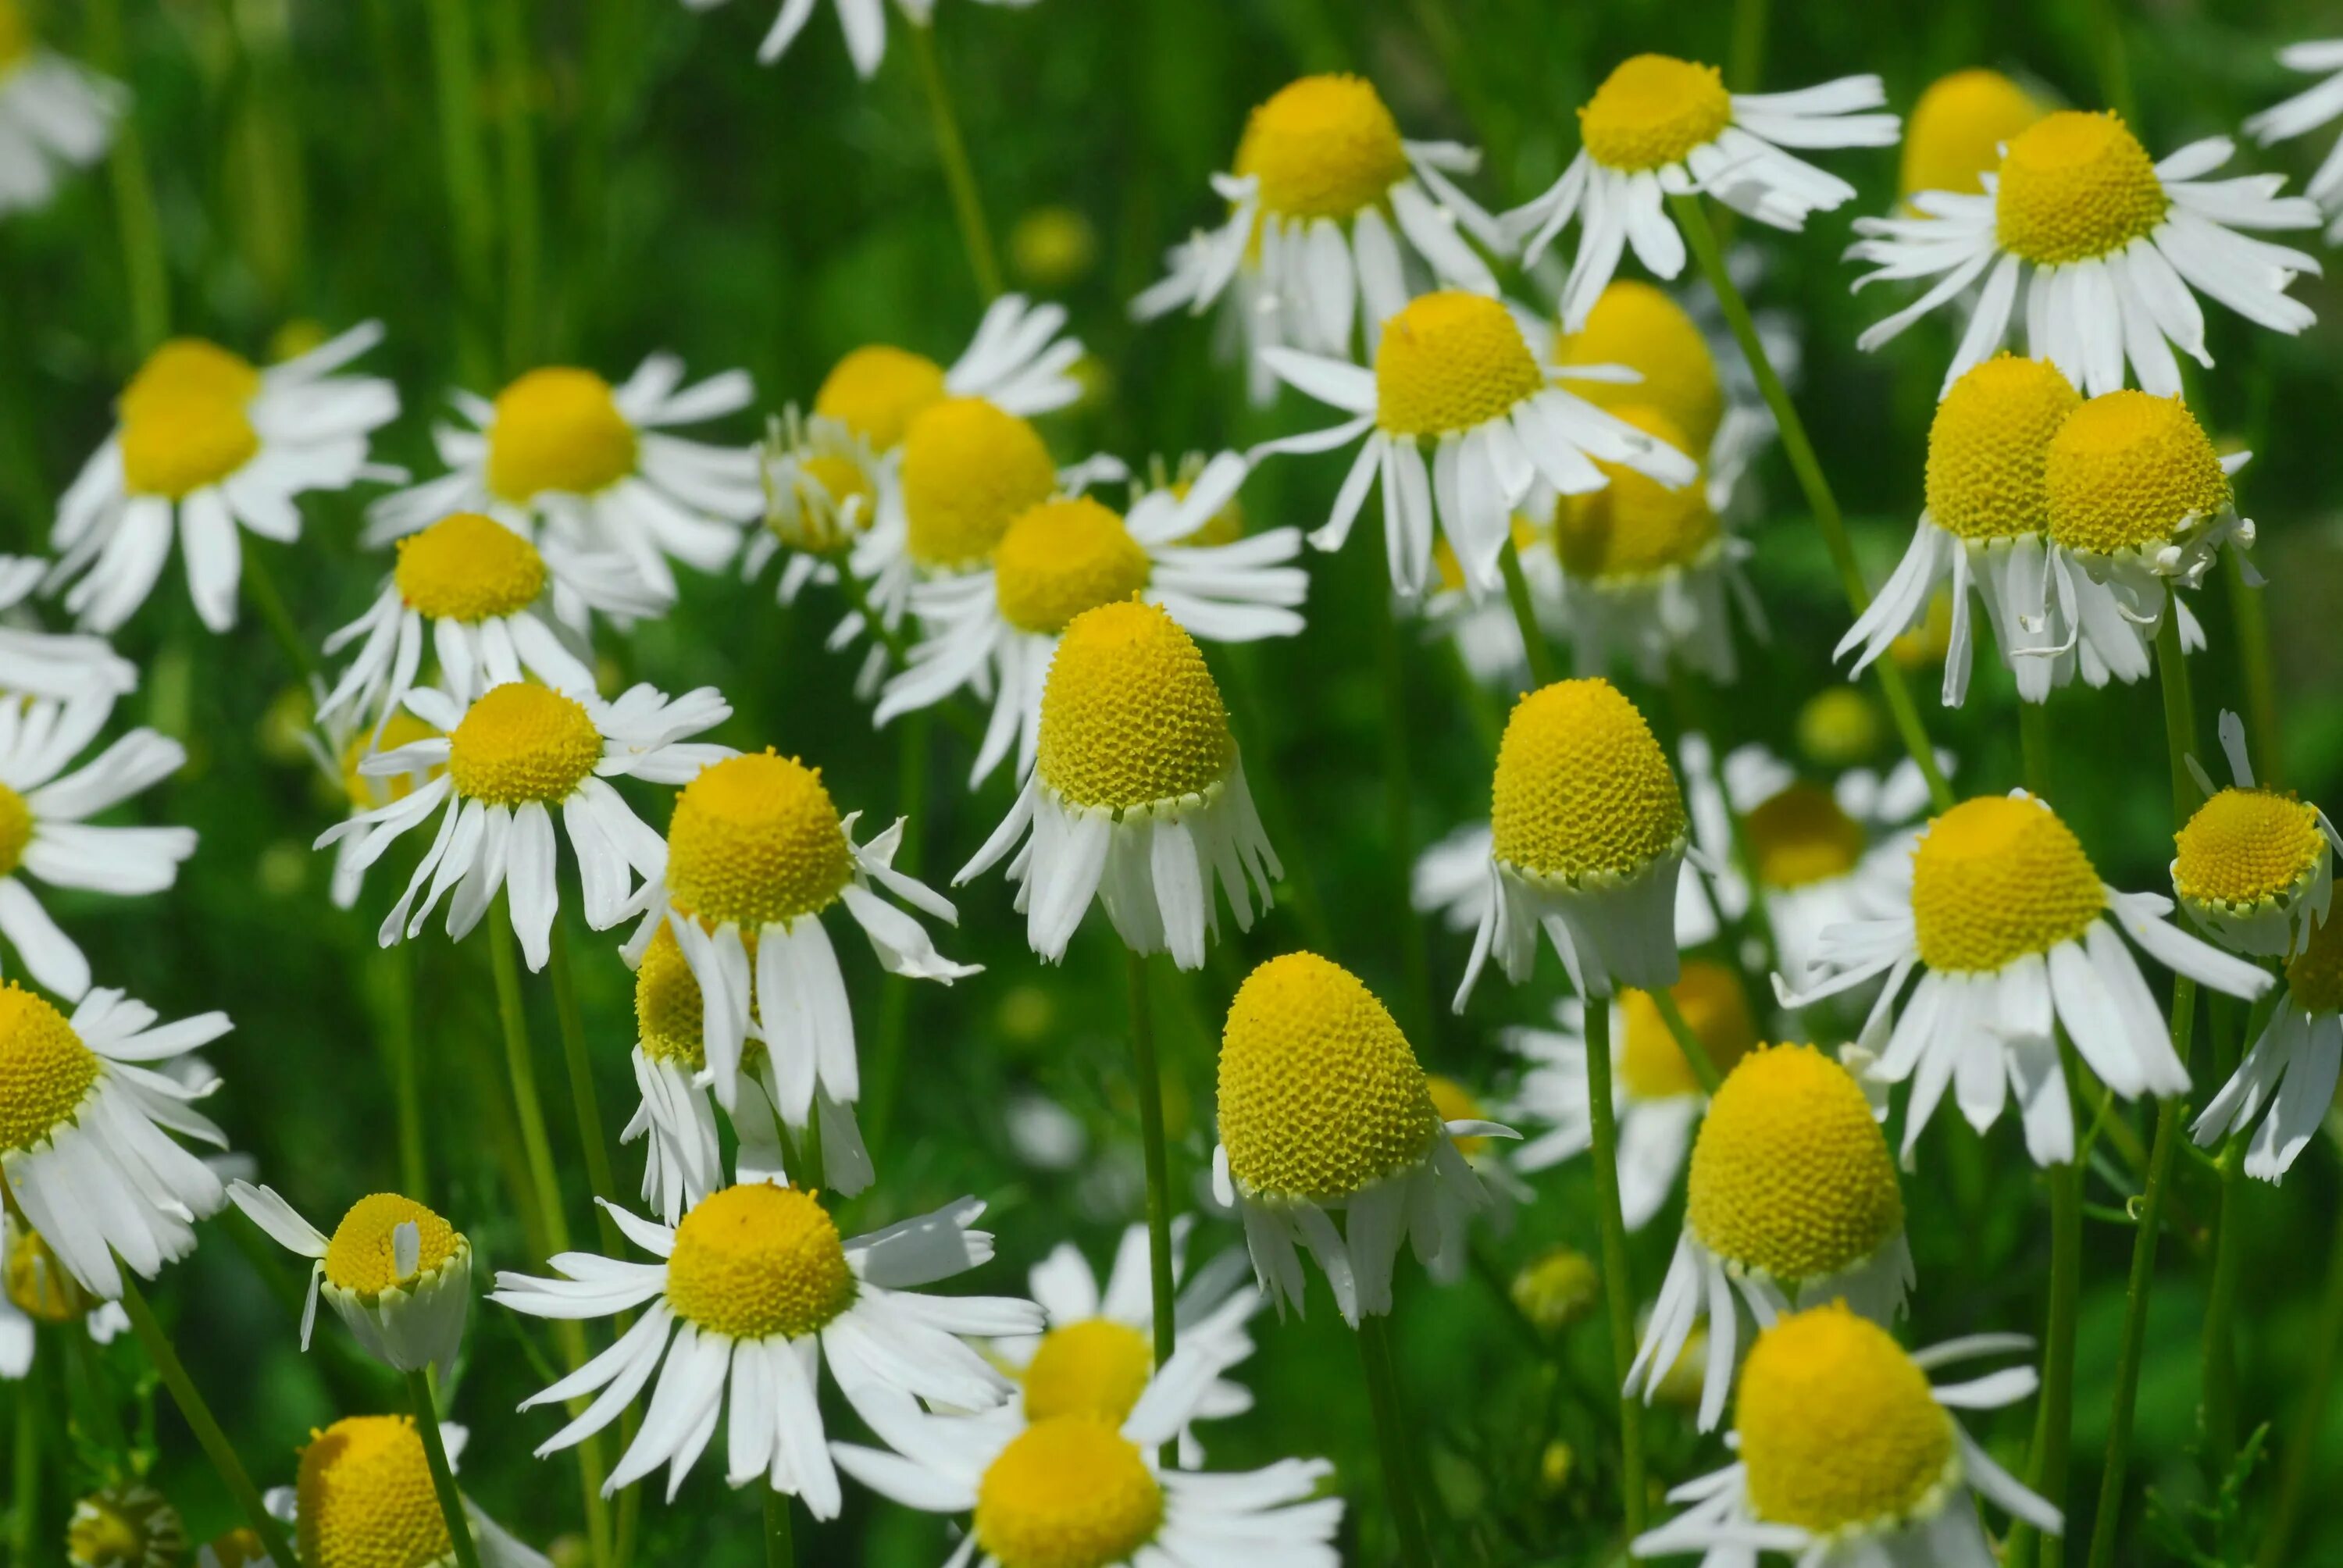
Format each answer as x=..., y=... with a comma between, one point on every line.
x=365, y=791
x=877, y=391
x=1450, y=361
x=1838, y=1428
x=468, y=568
x=1652, y=110
x=756, y=840
x=969, y=471
x=1641, y=326
x=362, y=1257
x=237, y=1549
x=1635, y=527
x=1323, y=146
x=1062, y=558
x=1558, y=1289
x=1998, y=877
x=2128, y=470
x=2314, y=977
x=1714, y=1007
x=1320, y=1094
x=1955, y=134
x=1581, y=786
x=1839, y=727
x=1096, y=1367
x=758, y=1261
x=1455, y=1102
x=1988, y=443
x=128, y=1526
x=842, y=479
x=1800, y=836
x=557, y=430
x=1130, y=714
x=184, y=419
x=2075, y=186
x=521, y=742
x=1791, y=1177
x=37, y=1284
x=15, y=830
x=669, y=1014
x=2245, y=846
x=364, y=1498
x=1067, y=1492
x=45, y=1069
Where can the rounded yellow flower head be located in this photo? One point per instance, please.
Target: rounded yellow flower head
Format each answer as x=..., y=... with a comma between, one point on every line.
x=45, y=1069
x=1715, y=1008
x=557, y=430
x=969, y=470
x=1450, y=361
x=1096, y=1367
x=1640, y=325
x=1635, y=529
x=757, y=842
x=467, y=568
x=2245, y=849
x=2129, y=471
x=1069, y=1492
x=1652, y=110
x=1989, y=444
x=1131, y=714
x=364, y=1498
x=877, y=391
x=757, y=1261
x=1581, y=788
x=1955, y=136
x=1800, y=836
x=1062, y=558
x=1323, y=146
x=184, y=420
x=1996, y=879
x=360, y=1256
x=521, y=742
x=2074, y=186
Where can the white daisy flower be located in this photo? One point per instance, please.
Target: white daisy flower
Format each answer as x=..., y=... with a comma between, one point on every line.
x=1660, y=127
x=2287, y=1082
x=864, y=22
x=340, y=746
x=2253, y=868
x=1020, y=360
x=34, y=1289
x=364, y=1484
x=55, y=114
x=65, y=666
x=2107, y=246
x=514, y=755
x=207, y=441
x=1953, y=136
x=823, y=488
x=2013, y=931
x=1850, y=1458
x=396, y=1274
x=2308, y=110
x=753, y=1292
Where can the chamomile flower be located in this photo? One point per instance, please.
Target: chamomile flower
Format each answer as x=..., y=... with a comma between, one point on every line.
x=1955, y=136
x=864, y=22
x=1137, y=797
x=1459, y=420
x=1324, y=193
x=1850, y=1458
x=2012, y=931
x=54, y=115
x=753, y=1291
x=206, y=441
x=823, y=488
x=1691, y=368
x=2107, y=246
x=1792, y=1201
x=2253, y=866
x=2306, y=111
x=88, y=1109
x=1323, y=1111
x=2287, y=1082
x=1020, y=360
x=340, y=746
x=129, y=1525
x=561, y=447
x=396, y=1274
x=37, y=1288
x=64, y=666
x=1660, y=127
x=363, y=1498
x=500, y=767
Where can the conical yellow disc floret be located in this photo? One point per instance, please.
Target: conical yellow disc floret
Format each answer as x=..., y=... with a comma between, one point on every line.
x=185, y=423
x=1988, y=445
x=45, y=1069
x=1635, y=527
x=1800, y=836
x=1062, y=558
x=1581, y=788
x=15, y=830
x=2314, y=977
x=757, y=1261
x=1450, y=361
x=1130, y=714
x=37, y=1284
x=468, y=568
x=557, y=430
x=1096, y=1367
x=877, y=391
x=361, y=1256
x=1955, y=134
x=1640, y=325
x=363, y=791
x=521, y=742
x=125, y=1526
x=1838, y=1428
x=2245, y=846
x=1715, y=1008
x=970, y=468
x=364, y=1498
x=1996, y=879
x=1653, y=109
x=1323, y=146
x=2126, y=470
x=756, y=840
x=2074, y=186
x=1067, y=1492
x=1790, y=1177
x=670, y=1016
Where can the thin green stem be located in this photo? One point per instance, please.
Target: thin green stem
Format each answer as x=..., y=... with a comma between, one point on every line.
x=517, y=158
x=1543, y=669
x=443, y=1478
x=1618, y=1290
x=464, y=168
x=1148, y=1078
x=2249, y=630
x=2033, y=748
x=24, y=1468
x=134, y=213
x=2113, y=61
x=1392, y=1440
x=2300, y=1455
x=1746, y=63
x=583, y=1099
x=2219, y=1397
x=260, y=587
x=1696, y=1054
x=780, y=1542
x=520, y=1069
x=959, y=176
x=1399, y=811
x=2054, y=1415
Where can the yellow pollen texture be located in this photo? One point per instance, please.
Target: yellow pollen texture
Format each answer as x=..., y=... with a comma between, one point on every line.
x=969, y=471
x=362, y=1256
x=1096, y=1367
x=1652, y=110
x=1323, y=146
x=877, y=391
x=1450, y=361
x=468, y=568
x=2126, y=470
x=364, y=1498
x=1988, y=445
x=37, y=1284
x=1640, y=325
x=1635, y=527
x=1715, y=1008
x=1130, y=714
x=45, y=1069
x=1955, y=134
x=1582, y=789
x=519, y=742
x=558, y=429
x=15, y=830
x=2314, y=977
x=1062, y=558
x=2245, y=846
x=2074, y=186
x=1320, y=1094
x=1839, y=1427
x=1800, y=837
x=756, y=840
x=1790, y=1175
x=758, y=1261
x=184, y=419
x=1068, y=1492
x=364, y=791
x=669, y=1014
x=1996, y=879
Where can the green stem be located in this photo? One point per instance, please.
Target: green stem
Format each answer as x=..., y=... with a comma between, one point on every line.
x=2114, y=62
x=1696, y=1054
x=1543, y=669
x=583, y=1099
x=443, y=1479
x=2219, y=1398
x=260, y=587
x=781, y=1542
x=2054, y=1416
x=1392, y=1440
x=464, y=168
x=2311, y=1416
x=951, y=151
x=2033, y=748
x=516, y=156
x=1149, y=1079
x=1398, y=810
x=1746, y=69
x=148, y=279
x=2250, y=630
x=25, y=1473
x=1618, y=1290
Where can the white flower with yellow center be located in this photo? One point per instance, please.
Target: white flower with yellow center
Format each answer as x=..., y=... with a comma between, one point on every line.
x=54, y=115
x=823, y=490
x=2014, y=932
x=1324, y=193
x=1659, y=127
x=1850, y=1458
x=2106, y=244
x=2287, y=1082
x=64, y=666
x=364, y=1499
x=501, y=767
x=864, y=22
x=37, y=1288
x=1953, y=137
x=207, y=441
x=1792, y=1201
x=2306, y=111
x=130, y=1525
x=1137, y=797
x=1323, y=1111
x=1082, y=1488
x=753, y=1291
x=340, y=746
x=87, y=1108
x=1461, y=419
x=2253, y=866
x=563, y=448
x=396, y=1274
